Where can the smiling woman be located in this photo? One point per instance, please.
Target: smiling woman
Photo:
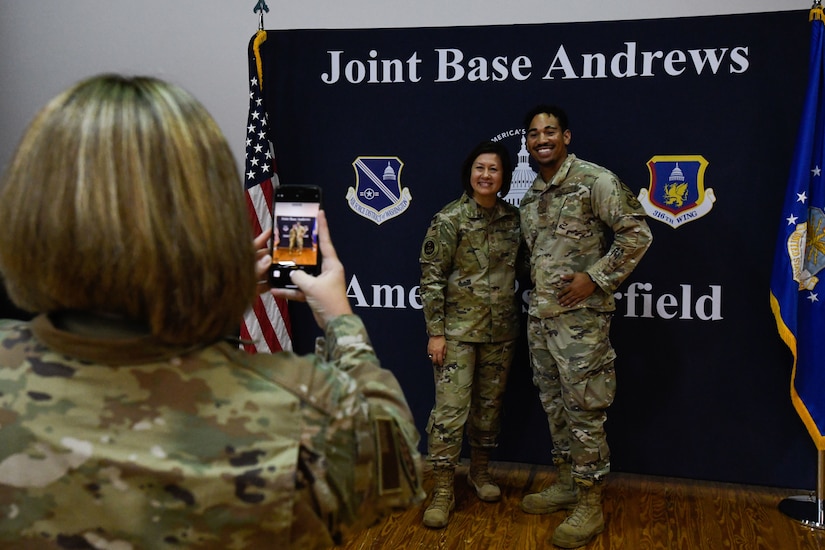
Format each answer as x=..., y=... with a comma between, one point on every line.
x=468, y=269
x=486, y=179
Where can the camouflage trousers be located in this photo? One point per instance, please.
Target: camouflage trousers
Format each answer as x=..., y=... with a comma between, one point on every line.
x=573, y=369
x=468, y=390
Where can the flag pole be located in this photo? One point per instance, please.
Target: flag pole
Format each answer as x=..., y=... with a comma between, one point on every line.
x=809, y=509
x=790, y=310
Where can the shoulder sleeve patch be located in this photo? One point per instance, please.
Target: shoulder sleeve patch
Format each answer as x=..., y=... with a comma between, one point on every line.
x=429, y=249
x=629, y=199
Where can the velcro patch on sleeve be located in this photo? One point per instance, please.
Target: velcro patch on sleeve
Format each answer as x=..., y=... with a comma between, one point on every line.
x=429, y=249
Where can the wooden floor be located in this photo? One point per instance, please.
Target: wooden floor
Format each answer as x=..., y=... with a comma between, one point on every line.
x=641, y=513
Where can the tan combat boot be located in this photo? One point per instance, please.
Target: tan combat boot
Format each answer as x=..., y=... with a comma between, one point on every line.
x=438, y=512
x=585, y=522
x=479, y=476
x=561, y=495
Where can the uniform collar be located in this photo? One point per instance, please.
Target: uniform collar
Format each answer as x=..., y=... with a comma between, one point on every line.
x=473, y=210
x=103, y=339
x=559, y=176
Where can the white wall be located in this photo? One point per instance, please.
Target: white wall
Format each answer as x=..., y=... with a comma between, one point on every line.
x=46, y=45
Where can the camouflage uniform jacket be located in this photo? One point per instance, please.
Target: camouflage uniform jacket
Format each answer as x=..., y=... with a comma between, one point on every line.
x=568, y=223
x=468, y=262
x=122, y=442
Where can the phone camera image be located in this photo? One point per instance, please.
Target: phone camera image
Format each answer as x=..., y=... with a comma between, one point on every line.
x=294, y=233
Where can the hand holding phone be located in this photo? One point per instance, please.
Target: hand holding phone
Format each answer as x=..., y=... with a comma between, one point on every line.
x=294, y=233
x=325, y=293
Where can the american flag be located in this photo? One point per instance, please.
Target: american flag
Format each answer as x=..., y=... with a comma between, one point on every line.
x=266, y=324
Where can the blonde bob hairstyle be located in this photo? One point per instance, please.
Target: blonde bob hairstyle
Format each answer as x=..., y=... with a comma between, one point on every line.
x=123, y=198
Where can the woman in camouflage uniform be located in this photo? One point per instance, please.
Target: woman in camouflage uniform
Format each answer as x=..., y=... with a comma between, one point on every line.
x=127, y=418
x=468, y=262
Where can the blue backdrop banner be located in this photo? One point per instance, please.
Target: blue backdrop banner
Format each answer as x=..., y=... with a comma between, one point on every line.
x=696, y=115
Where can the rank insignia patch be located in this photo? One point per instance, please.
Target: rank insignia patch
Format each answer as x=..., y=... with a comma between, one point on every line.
x=677, y=193
x=378, y=195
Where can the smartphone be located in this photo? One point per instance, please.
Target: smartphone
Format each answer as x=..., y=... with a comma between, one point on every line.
x=294, y=233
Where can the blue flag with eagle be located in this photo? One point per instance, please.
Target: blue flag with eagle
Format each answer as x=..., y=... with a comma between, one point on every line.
x=797, y=300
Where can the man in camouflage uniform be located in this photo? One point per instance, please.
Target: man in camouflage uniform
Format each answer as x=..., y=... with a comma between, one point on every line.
x=468, y=260
x=569, y=216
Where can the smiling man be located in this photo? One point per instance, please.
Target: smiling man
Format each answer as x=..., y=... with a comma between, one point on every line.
x=586, y=232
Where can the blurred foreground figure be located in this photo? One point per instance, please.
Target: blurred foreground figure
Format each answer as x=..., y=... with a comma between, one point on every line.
x=128, y=419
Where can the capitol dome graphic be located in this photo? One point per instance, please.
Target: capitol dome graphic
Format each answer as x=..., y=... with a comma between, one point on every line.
x=389, y=173
x=523, y=176
x=677, y=174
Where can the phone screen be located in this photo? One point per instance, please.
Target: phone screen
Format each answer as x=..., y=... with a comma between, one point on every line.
x=294, y=233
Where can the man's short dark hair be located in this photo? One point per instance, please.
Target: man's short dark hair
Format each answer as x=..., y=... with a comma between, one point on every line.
x=552, y=110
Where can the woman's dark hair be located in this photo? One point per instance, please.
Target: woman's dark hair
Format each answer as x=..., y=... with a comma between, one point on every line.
x=497, y=149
